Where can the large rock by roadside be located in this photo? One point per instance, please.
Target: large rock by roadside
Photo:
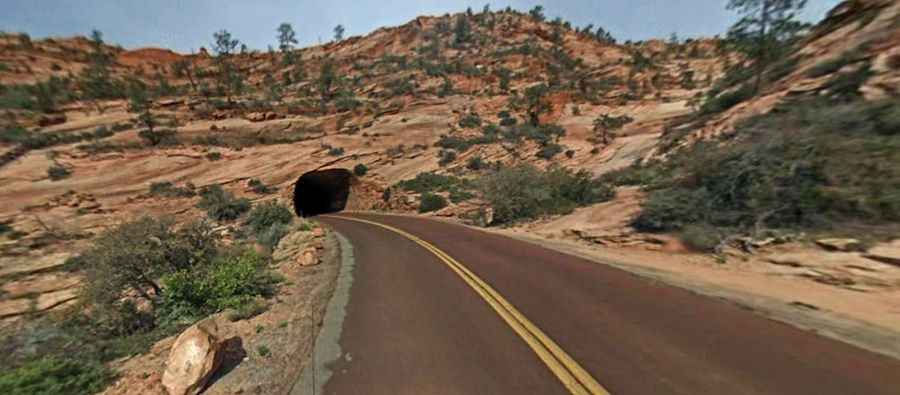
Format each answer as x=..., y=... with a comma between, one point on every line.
x=194, y=357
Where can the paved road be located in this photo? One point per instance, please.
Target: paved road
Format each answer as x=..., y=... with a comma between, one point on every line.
x=414, y=326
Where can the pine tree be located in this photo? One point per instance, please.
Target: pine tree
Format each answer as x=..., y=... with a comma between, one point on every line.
x=462, y=30
x=534, y=102
x=764, y=31
x=287, y=38
x=185, y=68
x=537, y=13
x=139, y=103
x=230, y=80
x=338, y=32
x=96, y=82
x=606, y=126
x=327, y=78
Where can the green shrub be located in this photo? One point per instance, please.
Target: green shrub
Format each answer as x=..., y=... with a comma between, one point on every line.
x=158, y=137
x=221, y=205
x=230, y=282
x=58, y=172
x=433, y=182
x=213, y=156
x=460, y=195
x=446, y=157
x=549, y=151
x=346, y=102
x=132, y=258
x=55, y=376
x=636, y=174
x=453, y=142
x=270, y=236
x=833, y=65
x=525, y=192
x=845, y=86
x=431, y=202
x=257, y=186
x=471, y=120
x=726, y=100
x=810, y=164
x=263, y=216
x=167, y=189
x=335, y=151
x=360, y=170
x=700, y=237
x=475, y=163
x=13, y=134
x=102, y=132
x=247, y=310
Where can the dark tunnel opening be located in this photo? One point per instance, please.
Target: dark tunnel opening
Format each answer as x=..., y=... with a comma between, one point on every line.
x=322, y=192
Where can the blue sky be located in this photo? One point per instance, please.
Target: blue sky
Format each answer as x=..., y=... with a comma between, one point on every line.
x=186, y=25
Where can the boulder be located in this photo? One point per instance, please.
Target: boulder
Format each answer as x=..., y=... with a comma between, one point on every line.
x=194, y=357
x=256, y=117
x=308, y=257
x=845, y=245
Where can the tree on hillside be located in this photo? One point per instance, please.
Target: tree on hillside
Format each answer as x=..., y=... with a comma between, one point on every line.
x=286, y=40
x=764, y=31
x=224, y=44
x=604, y=36
x=184, y=68
x=534, y=102
x=338, y=33
x=96, y=82
x=461, y=31
x=327, y=78
x=230, y=80
x=504, y=75
x=139, y=103
x=605, y=126
x=537, y=13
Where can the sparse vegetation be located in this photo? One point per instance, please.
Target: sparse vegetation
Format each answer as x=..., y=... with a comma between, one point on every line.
x=812, y=164
x=58, y=172
x=524, y=192
x=52, y=375
x=431, y=202
x=259, y=187
x=221, y=205
x=335, y=151
x=167, y=189
x=268, y=221
x=360, y=170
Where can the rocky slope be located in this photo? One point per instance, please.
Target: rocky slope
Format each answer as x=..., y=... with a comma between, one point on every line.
x=394, y=100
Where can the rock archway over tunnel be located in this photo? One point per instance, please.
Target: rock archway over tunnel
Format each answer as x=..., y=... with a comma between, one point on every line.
x=322, y=192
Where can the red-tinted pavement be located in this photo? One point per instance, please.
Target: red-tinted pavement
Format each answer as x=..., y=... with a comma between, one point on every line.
x=414, y=327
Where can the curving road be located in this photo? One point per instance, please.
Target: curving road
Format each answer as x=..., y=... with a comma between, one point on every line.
x=416, y=323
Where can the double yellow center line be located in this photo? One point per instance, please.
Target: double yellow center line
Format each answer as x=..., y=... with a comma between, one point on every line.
x=570, y=373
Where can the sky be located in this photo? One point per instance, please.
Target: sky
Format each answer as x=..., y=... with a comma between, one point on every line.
x=187, y=25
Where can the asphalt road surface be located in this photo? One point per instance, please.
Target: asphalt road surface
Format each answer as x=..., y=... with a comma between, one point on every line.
x=416, y=323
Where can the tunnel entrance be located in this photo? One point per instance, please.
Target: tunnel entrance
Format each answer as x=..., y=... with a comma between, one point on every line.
x=322, y=192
